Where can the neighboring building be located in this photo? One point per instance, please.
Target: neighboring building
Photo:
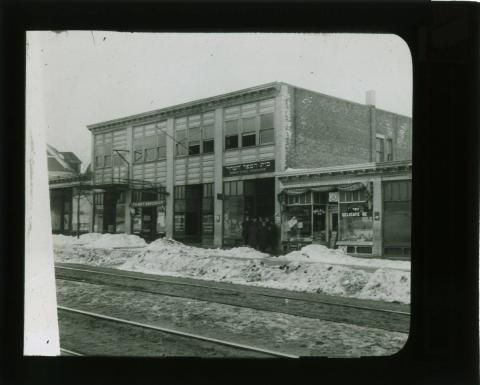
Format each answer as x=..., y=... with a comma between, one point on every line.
x=70, y=195
x=193, y=171
x=363, y=209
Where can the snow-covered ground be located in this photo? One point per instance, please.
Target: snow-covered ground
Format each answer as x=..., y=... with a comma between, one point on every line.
x=315, y=268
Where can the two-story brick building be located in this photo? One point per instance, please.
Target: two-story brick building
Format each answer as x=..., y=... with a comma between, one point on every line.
x=194, y=170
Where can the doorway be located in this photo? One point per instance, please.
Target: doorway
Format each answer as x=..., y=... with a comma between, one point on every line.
x=260, y=198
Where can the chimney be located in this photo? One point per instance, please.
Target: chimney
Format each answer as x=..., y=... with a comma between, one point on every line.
x=370, y=98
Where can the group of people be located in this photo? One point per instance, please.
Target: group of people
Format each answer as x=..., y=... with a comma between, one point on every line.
x=260, y=233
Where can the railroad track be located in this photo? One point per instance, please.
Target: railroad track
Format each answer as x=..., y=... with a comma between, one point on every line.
x=169, y=282
x=337, y=310
x=267, y=353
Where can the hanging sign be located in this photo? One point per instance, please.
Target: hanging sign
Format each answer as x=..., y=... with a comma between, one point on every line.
x=249, y=168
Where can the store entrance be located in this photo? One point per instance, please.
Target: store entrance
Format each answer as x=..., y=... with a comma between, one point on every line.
x=193, y=213
x=260, y=198
x=149, y=223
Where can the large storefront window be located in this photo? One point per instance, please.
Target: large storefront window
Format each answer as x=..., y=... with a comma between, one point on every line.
x=356, y=222
x=233, y=211
x=147, y=213
x=298, y=222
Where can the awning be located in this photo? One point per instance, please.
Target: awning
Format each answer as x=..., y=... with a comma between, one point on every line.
x=351, y=187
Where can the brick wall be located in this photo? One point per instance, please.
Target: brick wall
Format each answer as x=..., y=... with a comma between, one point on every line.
x=399, y=129
x=327, y=131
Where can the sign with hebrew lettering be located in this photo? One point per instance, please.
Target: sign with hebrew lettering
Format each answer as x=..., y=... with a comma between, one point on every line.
x=249, y=168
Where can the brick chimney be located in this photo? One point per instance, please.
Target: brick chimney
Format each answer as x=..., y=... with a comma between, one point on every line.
x=370, y=98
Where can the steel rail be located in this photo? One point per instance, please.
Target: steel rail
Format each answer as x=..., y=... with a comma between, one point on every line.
x=71, y=352
x=233, y=290
x=180, y=333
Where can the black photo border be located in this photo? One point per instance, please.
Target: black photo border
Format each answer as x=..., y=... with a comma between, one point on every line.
x=443, y=38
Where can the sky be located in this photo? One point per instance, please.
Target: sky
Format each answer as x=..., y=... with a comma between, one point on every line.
x=76, y=78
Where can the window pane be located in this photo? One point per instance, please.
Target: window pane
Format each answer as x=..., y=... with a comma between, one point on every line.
x=137, y=156
x=226, y=187
x=266, y=121
x=180, y=137
x=231, y=127
x=150, y=141
x=161, y=152
x=194, y=134
x=150, y=154
x=108, y=161
x=231, y=141
x=240, y=187
x=161, y=139
x=208, y=146
x=267, y=136
x=248, y=124
x=248, y=140
x=208, y=131
x=194, y=148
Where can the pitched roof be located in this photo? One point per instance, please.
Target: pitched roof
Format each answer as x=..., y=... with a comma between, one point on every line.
x=70, y=157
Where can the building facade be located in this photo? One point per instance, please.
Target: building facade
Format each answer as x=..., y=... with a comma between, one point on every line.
x=70, y=193
x=194, y=171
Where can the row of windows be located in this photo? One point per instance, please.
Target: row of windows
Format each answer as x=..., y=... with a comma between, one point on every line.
x=245, y=132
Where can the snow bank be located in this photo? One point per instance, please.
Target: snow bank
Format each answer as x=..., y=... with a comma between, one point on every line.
x=288, y=272
x=110, y=241
x=314, y=268
x=322, y=254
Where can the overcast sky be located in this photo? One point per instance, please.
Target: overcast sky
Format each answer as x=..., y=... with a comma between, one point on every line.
x=78, y=78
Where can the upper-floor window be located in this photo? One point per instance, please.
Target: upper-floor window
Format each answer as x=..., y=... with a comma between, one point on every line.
x=149, y=142
x=389, y=150
x=103, y=150
x=194, y=134
x=249, y=132
x=249, y=124
x=266, y=129
x=181, y=142
x=380, y=151
x=208, y=138
x=194, y=141
x=383, y=149
x=231, y=134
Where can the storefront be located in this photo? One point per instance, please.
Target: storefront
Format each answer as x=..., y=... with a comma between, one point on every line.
x=70, y=205
x=252, y=198
x=365, y=210
x=147, y=213
x=193, y=214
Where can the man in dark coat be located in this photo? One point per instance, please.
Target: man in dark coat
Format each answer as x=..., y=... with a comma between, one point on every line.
x=252, y=233
x=262, y=235
x=271, y=235
x=245, y=229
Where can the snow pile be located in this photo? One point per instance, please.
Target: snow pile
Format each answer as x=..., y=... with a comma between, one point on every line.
x=60, y=240
x=111, y=241
x=322, y=254
x=299, y=271
x=314, y=268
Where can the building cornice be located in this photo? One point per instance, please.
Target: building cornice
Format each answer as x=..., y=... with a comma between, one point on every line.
x=197, y=106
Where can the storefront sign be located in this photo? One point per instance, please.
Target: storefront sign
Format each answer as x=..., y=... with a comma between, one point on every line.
x=147, y=204
x=249, y=168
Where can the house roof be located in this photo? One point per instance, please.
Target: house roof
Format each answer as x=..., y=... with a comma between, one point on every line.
x=57, y=161
x=70, y=157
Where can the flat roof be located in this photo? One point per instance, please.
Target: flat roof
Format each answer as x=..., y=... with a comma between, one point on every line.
x=182, y=106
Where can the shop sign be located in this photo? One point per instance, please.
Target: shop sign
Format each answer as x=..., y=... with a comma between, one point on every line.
x=355, y=211
x=249, y=168
x=148, y=204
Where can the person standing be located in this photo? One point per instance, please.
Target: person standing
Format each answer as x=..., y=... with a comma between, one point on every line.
x=245, y=230
x=271, y=236
x=252, y=233
x=262, y=235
